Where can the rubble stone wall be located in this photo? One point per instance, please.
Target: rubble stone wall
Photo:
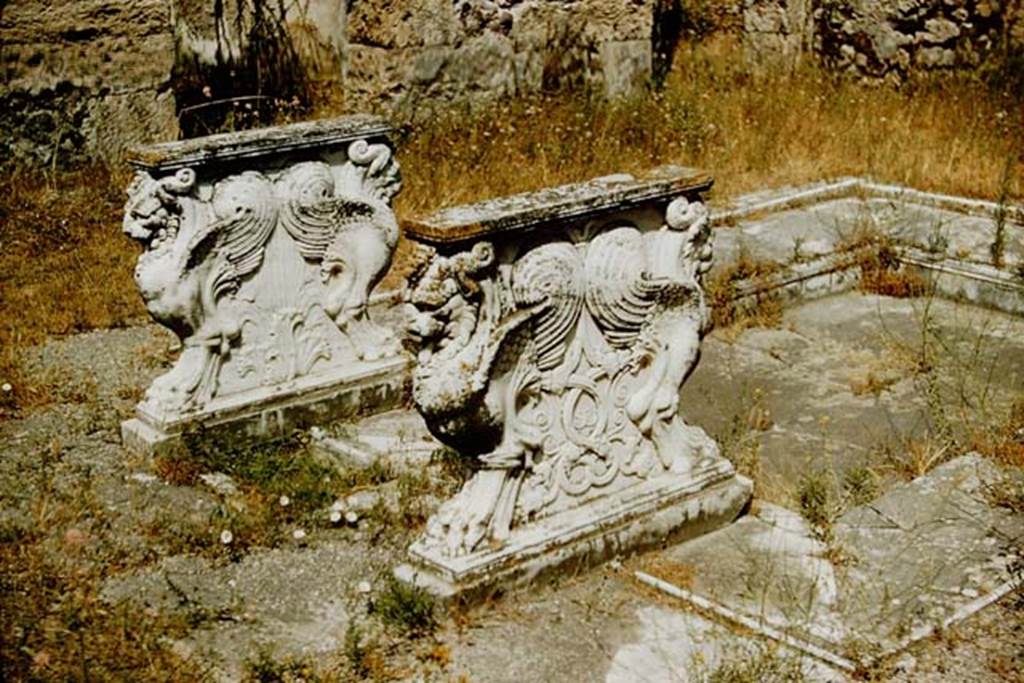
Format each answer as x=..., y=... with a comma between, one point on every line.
x=881, y=38
x=84, y=76
x=452, y=49
x=87, y=78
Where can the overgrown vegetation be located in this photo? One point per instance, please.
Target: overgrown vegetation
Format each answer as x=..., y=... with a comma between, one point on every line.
x=53, y=623
x=759, y=309
x=267, y=669
x=882, y=273
x=749, y=132
x=766, y=665
x=256, y=75
x=60, y=230
x=281, y=488
x=872, y=251
x=953, y=370
x=64, y=266
x=405, y=607
x=55, y=627
x=740, y=442
x=284, y=486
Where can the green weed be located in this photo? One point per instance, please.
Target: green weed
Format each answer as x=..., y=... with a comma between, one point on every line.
x=765, y=666
x=407, y=608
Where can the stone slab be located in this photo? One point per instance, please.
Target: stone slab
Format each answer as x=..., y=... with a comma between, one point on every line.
x=809, y=380
x=790, y=235
x=290, y=139
x=396, y=438
x=948, y=240
x=924, y=554
x=654, y=513
x=579, y=201
x=308, y=401
x=290, y=601
x=685, y=647
x=977, y=283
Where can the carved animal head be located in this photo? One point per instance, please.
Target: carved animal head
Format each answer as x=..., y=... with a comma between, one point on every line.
x=692, y=220
x=443, y=303
x=449, y=276
x=153, y=210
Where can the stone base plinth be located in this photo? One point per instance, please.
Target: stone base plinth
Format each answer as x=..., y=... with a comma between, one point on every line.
x=397, y=439
x=268, y=411
x=654, y=513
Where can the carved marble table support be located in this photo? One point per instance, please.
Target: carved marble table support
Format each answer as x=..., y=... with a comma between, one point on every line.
x=553, y=332
x=260, y=251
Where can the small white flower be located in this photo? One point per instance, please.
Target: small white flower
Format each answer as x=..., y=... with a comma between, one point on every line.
x=7, y=388
x=226, y=537
x=298, y=534
x=364, y=587
x=284, y=501
x=351, y=517
x=335, y=516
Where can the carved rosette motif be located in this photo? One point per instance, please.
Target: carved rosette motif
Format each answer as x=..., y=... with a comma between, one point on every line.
x=267, y=272
x=558, y=367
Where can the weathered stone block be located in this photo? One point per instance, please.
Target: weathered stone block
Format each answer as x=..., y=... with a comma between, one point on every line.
x=921, y=558
x=624, y=67
x=260, y=252
x=939, y=30
x=931, y=57
x=400, y=24
x=554, y=331
x=875, y=38
x=98, y=71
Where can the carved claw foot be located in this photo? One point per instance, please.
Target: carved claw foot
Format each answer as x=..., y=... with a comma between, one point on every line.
x=462, y=523
x=456, y=530
x=699, y=443
x=179, y=389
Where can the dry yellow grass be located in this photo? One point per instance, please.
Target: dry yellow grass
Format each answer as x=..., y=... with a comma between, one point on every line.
x=952, y=135
x=64, y=266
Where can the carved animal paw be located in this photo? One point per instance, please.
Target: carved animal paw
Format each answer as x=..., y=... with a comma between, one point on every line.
x=181, y=388
x=456, y=530
x=465, y=521
x=700, y=443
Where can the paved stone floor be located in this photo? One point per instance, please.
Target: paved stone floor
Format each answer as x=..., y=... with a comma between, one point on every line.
x=799, y=397
x=839, y=384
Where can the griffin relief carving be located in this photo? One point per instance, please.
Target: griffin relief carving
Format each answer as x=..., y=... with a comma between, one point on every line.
x=224, y=259
x=557, y=367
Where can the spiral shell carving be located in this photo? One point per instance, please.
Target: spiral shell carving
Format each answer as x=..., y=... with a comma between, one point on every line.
x=615, y=295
